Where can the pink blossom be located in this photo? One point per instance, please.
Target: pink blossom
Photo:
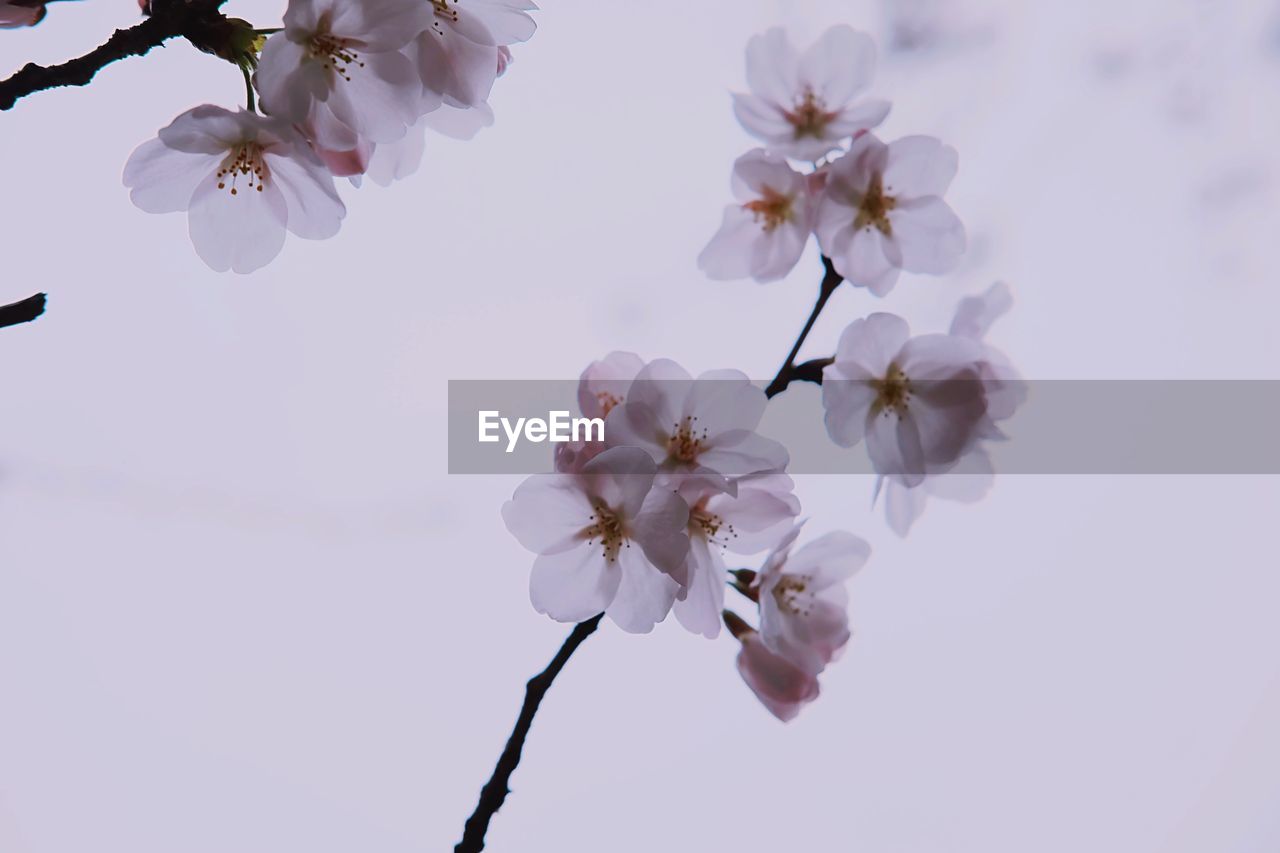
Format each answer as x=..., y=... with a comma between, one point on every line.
x=606, y=539
x=803, y=105
x=461, y=54
x=781, y=686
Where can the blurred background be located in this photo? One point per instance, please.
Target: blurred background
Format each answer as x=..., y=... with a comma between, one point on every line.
x=244, y=608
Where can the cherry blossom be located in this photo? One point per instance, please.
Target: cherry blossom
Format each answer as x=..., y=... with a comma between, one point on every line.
x=606, y=539
x=920, y=403
x=882, y=211
x=764, y=234
x=339, y=69
x=602, y=386
x=971, y=477
x=781, y=686
x=243, y=179
x=804, y=105
x=462, y=52
x=756, y=518
x=803, y=601
x=21, y=13
x=703, y=428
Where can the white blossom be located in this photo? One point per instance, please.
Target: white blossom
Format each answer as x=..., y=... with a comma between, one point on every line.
x=462, y=52
x=243, y=180
x=764, y=234
x=804, y=105
x=920, y=403
x=606, y=539
x=882, y=211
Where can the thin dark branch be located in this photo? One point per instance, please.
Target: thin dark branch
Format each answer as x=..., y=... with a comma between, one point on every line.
x=495, y=791
x=198, y=20
x=788, y=372
x=23, y=311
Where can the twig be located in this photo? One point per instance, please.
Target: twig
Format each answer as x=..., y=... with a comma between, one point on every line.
x=495, y=791
x=197, y=20
x=810, y=370
x=23, y=311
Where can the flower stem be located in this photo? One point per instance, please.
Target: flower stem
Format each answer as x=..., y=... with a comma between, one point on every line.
x=810, y=370
x=251, y=106
x=495, y=791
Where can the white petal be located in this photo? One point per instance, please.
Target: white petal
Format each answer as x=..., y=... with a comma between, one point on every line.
x=659, y=530
x=893, y=443
x=315, y=210
x=729, y=254
x=206, y=129
x=773, y=66
x=548, y=513
x=758, y=171
x=386, y=25
x=872, y=343
x=240, y=232
x=919, y=166
x=830, y=559
x=903, y=505
x=459, y=123
x=928, y=234
x=778, y=251
x=861, y=116
x=504, y=22
x=762, y=119
x=839, y=65
x=699, y=610
x=573, y=585
x=975, y=314
x=630, y=470
x=379, y=98
x=644, y=596
x=162, y=180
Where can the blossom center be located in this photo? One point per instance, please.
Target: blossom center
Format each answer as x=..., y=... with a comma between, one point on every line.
x=607, y=401
x=686, y=442
x=446, y=9
x=709, y=526
x=243, y=162
x=771, y=209
x=606, y=530
x=809, y=117
x=873, y=211
x=335, y=54
x=893, y=392
x=789, y=592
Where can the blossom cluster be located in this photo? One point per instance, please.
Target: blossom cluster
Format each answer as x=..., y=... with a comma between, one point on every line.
x=347, y=88
x=639, y=525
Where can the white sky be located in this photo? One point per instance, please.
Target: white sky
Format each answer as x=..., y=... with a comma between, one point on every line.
x=243, y=608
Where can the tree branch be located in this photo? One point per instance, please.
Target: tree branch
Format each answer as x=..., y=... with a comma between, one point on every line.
x=197, y=20
x=23, y=311
x=810, y=371
x=495, y=791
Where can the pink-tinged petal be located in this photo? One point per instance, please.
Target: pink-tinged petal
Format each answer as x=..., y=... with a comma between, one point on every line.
x=839, y=65
x=206, y=129
x=456, y=67
x=386, y=25
x=659, y=529
x=761, y=513
x=548, y=513
x=864, y=115
x=975, y=314
x=623, y=476
x=741, y=452
x=346, y=164
x=928, y=234
x=573, y=585
x=392, y=161
x=762, y=119
x=605, y=382
x=162, y=180
x=776, y=254
x=699, y=610
x=830, y=559
x=303, y=16
x=379, y=98
x=635, y=425
x=459, y=123
x=903, y=505
x=662, y=387
x=315, y=210
x=644, y=596
x=873, y=343
x=759, y=171
x=731, y=252
x=285, y=89
x=773, y=66
x=781, y=687
x=919, y=166
x=241, y=232
x=893, y=443
x=724, y=400
x=849, y=175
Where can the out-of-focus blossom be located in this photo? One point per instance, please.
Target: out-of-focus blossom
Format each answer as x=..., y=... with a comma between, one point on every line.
x=606, y=540
x=605, y=382
x=970, y=477
x=339, y=69
x=764, y=234
x=920, y=403
x=461, y=53
x=243, y=179
x=781, y=686
x=760, y=514
x=803, y=600
x=21, y=13
x=702, y=428
x=804, y=105
x=882, y=211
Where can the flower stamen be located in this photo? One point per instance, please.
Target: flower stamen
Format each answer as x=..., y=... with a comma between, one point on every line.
x=809, y=117
x=243, y=160
x=607, y=529
x=685, y=442
x=772, y=209
x=335, y=54
x=874, y=208
x=893, y=392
